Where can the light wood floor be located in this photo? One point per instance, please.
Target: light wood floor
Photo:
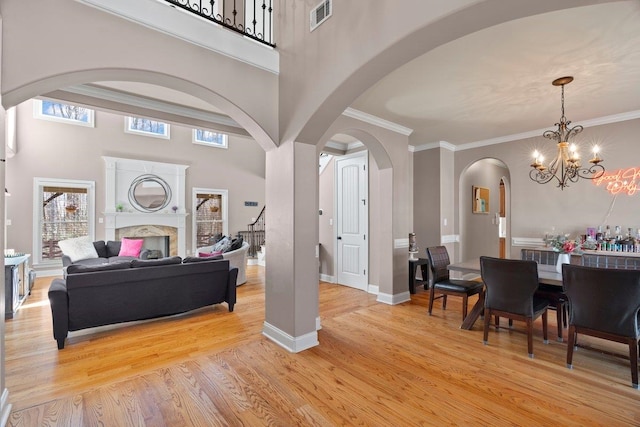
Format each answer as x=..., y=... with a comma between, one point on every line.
x=376, y=365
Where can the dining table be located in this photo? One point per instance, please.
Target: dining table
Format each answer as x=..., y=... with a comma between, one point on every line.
x=547, y=274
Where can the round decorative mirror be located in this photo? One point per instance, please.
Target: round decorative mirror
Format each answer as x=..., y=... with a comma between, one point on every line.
x=149, y=193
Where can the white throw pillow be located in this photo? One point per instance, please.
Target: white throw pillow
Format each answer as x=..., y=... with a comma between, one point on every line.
x=78, y=248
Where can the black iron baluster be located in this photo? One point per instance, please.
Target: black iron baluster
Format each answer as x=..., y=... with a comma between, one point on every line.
x=196, y=7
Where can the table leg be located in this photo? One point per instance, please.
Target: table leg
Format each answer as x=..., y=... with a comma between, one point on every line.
x=475, y=312
x=412, y=277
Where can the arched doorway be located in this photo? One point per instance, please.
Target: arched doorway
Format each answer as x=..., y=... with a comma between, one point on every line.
x=484, y=200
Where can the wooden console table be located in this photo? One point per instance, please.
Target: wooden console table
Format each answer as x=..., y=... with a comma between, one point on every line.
x=413, y=265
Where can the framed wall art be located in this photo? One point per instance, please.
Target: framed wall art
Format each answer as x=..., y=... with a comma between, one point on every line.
x=480, y=200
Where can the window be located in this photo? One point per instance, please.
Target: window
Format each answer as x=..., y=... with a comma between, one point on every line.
x=210, y=138
x=147, y=127
x=59, y=112
x=210, y=215
x=67, y=210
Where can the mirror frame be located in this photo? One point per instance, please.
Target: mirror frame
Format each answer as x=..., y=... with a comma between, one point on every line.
x=149, y=178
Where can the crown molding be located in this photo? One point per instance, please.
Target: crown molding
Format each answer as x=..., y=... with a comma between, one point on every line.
x=377, y=121
x=631, y=115
x=152, y=104
x=614, y=118
x=440, y=144
x=354, y=145
x=336, y=145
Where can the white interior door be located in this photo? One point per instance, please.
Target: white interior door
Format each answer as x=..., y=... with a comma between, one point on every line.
x=352, y=213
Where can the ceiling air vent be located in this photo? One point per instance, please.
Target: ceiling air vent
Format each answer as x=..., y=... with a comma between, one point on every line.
x=320, y=13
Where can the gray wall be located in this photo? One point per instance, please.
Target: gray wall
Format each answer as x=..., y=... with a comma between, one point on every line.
x=426, y=197
x=326, y=202
x=92, y=46
x=58, y=150
x=536, y=209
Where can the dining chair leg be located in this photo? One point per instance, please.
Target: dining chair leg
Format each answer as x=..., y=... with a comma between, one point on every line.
x=444, y=301
x=487, y=321
x=465, y=305
x=633, y=358
x=559, y=315
x=572, y=342
x=431, y=297
x=545, y=329
x=496, y=321
x=530, y=337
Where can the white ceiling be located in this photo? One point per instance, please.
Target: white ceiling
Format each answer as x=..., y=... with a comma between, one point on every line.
x=497, y=82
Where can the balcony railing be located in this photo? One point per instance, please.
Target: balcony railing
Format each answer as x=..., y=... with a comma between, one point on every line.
x=251, y=18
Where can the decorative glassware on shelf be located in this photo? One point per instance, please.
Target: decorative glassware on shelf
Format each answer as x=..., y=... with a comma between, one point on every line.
x=413, y=247
x=563, y=244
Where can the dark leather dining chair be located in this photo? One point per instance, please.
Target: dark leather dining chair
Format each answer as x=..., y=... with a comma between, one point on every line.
x=511, y=285
x=439, y=281
x=554, y=294
x=604, y=303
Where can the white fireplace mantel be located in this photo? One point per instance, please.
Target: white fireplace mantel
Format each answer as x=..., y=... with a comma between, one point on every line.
x=120, y=173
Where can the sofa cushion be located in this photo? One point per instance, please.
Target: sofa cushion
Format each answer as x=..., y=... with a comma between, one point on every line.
x=190, y=259
x=113, y=248
x=131, y=247
x=78, y=248
x=235, y=244
x=119, y=259
x=79, y=268
x=92, y=261
x=155, y=262
x=222, y=245
x=101, y=248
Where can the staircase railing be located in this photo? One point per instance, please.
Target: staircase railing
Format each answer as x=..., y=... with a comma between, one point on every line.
x=251, y=18
x=256, y=234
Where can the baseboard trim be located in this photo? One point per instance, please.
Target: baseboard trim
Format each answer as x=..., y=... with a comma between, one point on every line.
x=49, y=273
x=318, y=325
x=327, y=278
x=288, y=342
x=5, y=408
x=373, y=289
x=394, y=299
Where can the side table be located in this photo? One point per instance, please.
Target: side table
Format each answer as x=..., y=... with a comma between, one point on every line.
x=413, y=265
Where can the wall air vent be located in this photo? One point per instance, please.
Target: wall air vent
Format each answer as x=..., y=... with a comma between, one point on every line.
x=320, y=13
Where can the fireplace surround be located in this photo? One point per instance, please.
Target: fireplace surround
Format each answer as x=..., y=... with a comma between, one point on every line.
x=121, y=174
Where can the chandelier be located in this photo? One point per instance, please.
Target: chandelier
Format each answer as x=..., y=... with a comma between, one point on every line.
x=565, y=167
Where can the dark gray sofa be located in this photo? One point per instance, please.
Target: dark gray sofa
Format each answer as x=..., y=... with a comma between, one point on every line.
x=107, y=253
x=93, y=296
